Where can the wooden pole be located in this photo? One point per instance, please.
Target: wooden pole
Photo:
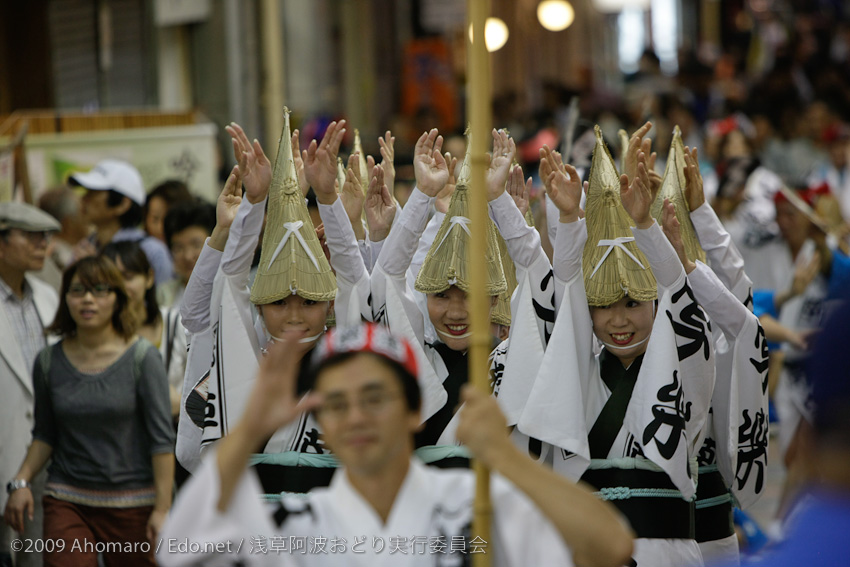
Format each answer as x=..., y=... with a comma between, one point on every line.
x=273, y=85
x=480, y=117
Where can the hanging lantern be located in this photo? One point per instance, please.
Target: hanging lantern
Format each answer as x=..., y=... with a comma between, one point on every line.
x=495, y=34
x=555, y=15
x=616, y=6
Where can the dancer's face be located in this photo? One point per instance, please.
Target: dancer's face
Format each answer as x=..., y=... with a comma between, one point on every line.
x=294, y=314
x=625, y=325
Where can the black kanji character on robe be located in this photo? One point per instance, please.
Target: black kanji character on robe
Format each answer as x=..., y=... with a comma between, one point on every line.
x=707, y=453
x=200, y=404
x=312, y=440
x=675, y=415
x=752, y=449
x=633, y=448
x=762, y=362
x=545, y=313
x=694, y=325
x=497, y=370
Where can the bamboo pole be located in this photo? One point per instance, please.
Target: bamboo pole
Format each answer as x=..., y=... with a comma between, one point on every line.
x=273, y=87
x=480, y=117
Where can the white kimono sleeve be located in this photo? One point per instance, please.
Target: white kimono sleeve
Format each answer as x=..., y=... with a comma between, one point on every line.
x=352, y=301
x=670, y=402
x=195, y=313
x=392, y=300
x=218, y=539
x=555, y=410
x=722, y=254
x=425, y=242
x=195, y=307
x=740, y=396
x=532, y=306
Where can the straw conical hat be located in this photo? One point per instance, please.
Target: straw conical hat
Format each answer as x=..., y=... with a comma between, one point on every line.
x=501, y=313
x=292, y=261
x=446, y=265
x=673, y=188
x=613, y=265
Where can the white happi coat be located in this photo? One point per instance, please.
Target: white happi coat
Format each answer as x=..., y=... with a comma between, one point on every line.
x=665, y=420
x=336, y=526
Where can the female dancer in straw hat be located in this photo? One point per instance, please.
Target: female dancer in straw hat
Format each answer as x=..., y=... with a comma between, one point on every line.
x=629, y=420
x=292, y=292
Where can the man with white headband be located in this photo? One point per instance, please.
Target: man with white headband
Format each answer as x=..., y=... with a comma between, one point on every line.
x=383, y=507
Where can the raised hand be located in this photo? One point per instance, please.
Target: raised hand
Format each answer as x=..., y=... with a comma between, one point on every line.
x=444, y=197
x=226, y=208
x=254, y=167
x=320, y=234
x=672, y=229
x=562, y=183
x=482, y=427
x=637, y=196
x=273, y=402
x=299, y=163
x=518, y=190
x=352, y=195
x=694, y=193
x=429, y=165
x=638, y=142
x=387, y=144
x=380, y=206
x=320, y=167
x=655, y=178
x=504, y=150
x=229, y=200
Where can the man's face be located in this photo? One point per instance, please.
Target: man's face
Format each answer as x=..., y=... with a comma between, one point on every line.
x=364, y=415
x=24, y=251
x=96, y=210
x=793, y=224
x=186, y=247
x=155, y=219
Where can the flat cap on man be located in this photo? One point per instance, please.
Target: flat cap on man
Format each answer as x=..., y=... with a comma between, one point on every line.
x=26, y=217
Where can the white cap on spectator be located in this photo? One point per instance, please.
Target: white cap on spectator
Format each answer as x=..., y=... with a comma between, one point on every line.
x=118, y=176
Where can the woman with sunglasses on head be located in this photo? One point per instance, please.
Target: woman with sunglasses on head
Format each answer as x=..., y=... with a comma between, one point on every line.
x=159, y=325
x=102, y=417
